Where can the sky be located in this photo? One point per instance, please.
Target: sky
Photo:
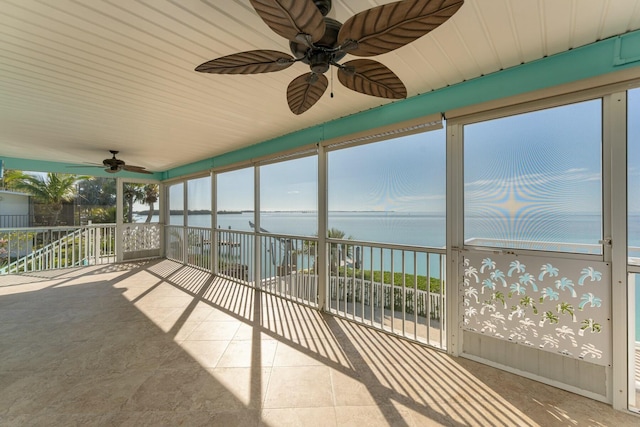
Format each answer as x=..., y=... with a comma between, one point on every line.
x=405, y=174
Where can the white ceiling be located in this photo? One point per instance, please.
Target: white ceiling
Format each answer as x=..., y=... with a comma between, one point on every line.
x=80, y=77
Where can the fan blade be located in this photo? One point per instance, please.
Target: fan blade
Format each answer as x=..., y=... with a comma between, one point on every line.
x=371, y=78
x=292, y=19
x=385, y=28
x=250, y=62
x=137, y=169
x=304, y=91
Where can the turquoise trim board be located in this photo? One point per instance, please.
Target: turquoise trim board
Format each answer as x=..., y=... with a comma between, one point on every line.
x=46, y=166
x=600, y=58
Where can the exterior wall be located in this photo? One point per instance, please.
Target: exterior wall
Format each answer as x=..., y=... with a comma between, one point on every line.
x=14, y=210
x=13, y=203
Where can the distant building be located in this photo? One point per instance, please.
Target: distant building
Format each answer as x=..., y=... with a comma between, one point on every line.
x=14, y=209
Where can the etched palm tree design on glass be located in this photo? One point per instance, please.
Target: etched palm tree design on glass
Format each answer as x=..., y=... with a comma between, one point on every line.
x=499, y=318
x=528, y=324
x=589, y=273
x=528, y=280
x=591, y=351
x=487, y=263
x=471, y=292
x=590, y=299
x=497, y=274
x=589, y=325
x=471, y=271
x=487, y=284
x=527, y=301
x=549, y=293
x=488, y=305
x=499, y=296
x=550, y=340
x=549, y=316
x=489, y=326
x=566, y=333
x=517, y=288
x=516, y=266
x=549, y=270
x=566, y=308
x=517, y=311
x=566, y=284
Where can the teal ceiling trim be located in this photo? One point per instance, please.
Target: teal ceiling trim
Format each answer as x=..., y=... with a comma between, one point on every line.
x=190, y=169
x=627, y=49
x=593, y=60
x=45, y=166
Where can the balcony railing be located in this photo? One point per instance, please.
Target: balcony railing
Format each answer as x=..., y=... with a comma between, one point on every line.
x=399, y=289
x=37, y=249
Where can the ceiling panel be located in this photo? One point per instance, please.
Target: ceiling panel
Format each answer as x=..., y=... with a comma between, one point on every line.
x=78, y=78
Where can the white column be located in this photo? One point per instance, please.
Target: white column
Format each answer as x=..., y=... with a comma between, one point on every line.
x=615, y=225
x=455, y=236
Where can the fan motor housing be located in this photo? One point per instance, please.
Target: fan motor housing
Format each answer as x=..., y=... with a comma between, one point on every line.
x=320, y=56
x=323, y=5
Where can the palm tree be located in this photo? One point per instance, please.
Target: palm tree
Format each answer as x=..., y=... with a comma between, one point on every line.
x=589, y=298
x=516, y=266
x=529, y=280
x=337, y=249
x=548, y=269
x=498, y=275
x=10, y=177
x=564, y=284
x=52, y=190
x=147, y=194
x=589, y=273
x=149, y=198
x=549, y=293
x=487, y=263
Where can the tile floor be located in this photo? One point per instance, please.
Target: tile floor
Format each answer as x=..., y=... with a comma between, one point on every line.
x=157, y=343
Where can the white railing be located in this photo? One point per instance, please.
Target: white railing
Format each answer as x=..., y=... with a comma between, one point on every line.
x=38, y=249
x=192, y=246
x=399, y=289
x=236, y=255
x=288, y=267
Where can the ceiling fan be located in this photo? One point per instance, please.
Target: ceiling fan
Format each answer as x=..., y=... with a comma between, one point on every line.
x=113, y=165
x=320, y=42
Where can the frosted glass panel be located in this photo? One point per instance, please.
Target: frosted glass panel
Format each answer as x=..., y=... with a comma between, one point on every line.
x=534, y=180
x=633, y=186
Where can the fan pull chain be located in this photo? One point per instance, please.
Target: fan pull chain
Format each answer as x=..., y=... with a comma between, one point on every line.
x=332, y=83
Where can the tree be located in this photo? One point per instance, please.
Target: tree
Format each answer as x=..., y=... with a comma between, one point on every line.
x=10, y=177
x=98, y=191
x=146, y=194
x=52, y=190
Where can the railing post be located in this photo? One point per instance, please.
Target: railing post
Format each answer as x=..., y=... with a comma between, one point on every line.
x=257, y=272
